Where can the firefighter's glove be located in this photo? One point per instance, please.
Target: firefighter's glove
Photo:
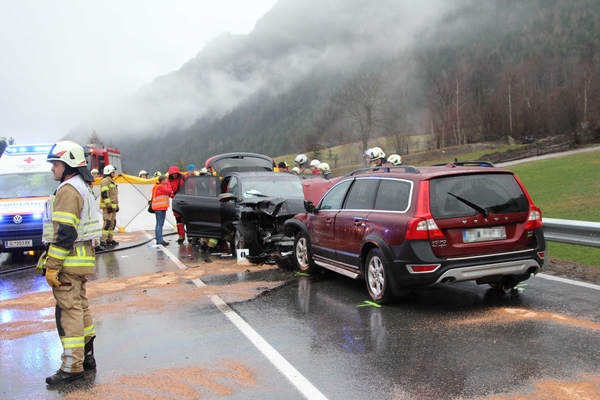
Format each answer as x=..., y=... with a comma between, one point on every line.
x=109, y=209
x=52, y=277
x=117, y=209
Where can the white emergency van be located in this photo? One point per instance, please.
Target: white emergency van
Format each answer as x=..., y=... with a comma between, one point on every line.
x=26, y=182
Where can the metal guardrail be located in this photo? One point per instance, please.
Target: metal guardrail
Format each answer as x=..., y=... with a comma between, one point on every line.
x=582, y=233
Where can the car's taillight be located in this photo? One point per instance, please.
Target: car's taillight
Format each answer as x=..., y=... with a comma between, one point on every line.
x=420, y=269
x=542, y=254
x=423, y=226
x=534, y=219
x=423, y=229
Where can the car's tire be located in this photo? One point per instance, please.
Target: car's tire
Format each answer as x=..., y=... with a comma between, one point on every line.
x=377, y=277
x=303, y=260
x=240, y=243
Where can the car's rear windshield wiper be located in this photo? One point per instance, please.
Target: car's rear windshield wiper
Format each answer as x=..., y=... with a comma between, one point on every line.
x=471, y=204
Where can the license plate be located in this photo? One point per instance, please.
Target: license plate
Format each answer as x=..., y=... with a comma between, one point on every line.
x=483, y=234
x=9, y=244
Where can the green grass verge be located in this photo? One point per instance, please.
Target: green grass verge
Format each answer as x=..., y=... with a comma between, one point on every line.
x=567, y=188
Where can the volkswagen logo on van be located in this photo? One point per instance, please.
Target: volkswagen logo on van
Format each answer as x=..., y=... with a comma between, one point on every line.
x=17, y=219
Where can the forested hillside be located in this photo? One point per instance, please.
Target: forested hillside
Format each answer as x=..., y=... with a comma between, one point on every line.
x=328, y=72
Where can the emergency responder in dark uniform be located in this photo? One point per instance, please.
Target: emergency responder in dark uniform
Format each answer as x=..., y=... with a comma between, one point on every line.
x=109, y=204
x=70, y=225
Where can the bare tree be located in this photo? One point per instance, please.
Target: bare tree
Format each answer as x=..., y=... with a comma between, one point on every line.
x=361, y=100
x=395, y=125
x=95, y=139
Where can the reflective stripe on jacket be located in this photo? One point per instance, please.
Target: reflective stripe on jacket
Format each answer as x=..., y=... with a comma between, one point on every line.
x=80, y=256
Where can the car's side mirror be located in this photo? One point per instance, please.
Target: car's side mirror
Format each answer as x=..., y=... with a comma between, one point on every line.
x=225, y=197
x=310, y=207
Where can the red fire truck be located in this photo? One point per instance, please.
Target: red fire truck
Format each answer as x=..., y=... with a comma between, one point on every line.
x=98, y=156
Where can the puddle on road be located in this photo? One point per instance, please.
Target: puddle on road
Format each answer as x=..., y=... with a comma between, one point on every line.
x=34, y=312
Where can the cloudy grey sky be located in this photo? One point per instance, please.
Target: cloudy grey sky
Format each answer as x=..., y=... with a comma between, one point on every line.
x=60, y=60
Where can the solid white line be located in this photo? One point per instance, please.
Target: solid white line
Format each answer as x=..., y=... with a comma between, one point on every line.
x=287, y=369
x=569, y=281
x=175, y=260
x=291, y=373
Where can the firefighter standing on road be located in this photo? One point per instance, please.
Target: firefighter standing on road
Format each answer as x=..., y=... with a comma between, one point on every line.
x=176, y=181
x=70, y=225
x=109, y=204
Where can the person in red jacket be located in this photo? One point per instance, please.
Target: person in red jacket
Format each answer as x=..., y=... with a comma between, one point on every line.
x=161, y=194
x=176, y=180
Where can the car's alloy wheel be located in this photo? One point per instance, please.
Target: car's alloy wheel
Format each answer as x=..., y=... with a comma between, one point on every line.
x=302, y=254
x=376, y=276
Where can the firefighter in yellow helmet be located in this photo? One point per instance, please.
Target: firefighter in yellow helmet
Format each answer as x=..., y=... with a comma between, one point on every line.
x=70, y=225
x=109, y=204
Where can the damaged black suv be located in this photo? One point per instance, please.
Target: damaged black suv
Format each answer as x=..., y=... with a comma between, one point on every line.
x=246, y=209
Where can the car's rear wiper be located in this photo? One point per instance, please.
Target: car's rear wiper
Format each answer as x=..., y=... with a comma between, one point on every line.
x=471, y=204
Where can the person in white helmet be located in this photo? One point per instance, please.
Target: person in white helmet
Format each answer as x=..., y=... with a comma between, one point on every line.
x=377, y=157
x=314, y=167
x=325, y=170
x=95, y=173
x=302, y=164
x=143, y=174
x=71, y=223
x=395, y=159
x=109, y=204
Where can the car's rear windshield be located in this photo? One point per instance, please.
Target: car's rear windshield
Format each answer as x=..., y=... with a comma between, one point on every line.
x=30, y=184
x=467, y=195
x=276, y=185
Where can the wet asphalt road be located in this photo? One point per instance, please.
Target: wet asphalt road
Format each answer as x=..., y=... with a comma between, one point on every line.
x=443, y=342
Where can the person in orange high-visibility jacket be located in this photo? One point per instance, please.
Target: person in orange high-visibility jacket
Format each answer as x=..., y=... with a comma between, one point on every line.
x=161, y=195
x=176, y=180
x=71, y=224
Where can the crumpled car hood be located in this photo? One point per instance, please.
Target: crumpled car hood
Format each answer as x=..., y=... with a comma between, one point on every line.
x=275, y=206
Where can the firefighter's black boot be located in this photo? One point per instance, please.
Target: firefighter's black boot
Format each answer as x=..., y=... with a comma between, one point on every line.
x=63, y=377
x=89, y=362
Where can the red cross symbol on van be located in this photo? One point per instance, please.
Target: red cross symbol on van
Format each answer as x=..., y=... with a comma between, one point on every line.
x=29, y=159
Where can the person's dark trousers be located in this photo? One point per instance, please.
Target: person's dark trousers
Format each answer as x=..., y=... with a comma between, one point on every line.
x=160, y=221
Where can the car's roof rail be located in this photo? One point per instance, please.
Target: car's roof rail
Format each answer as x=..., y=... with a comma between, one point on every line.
x=386, y=168
x=465, y=164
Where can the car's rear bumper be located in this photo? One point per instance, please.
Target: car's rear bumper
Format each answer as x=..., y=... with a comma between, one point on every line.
x=518, y=267
x=483, y=268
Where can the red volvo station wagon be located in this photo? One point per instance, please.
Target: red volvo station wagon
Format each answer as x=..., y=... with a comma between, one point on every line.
x=402, y=227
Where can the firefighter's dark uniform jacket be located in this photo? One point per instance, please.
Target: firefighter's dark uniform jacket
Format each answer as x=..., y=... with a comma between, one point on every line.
x=70, y=226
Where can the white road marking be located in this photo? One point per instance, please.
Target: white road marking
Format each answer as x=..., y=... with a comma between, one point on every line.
x=287, y=369
x=569, y=281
